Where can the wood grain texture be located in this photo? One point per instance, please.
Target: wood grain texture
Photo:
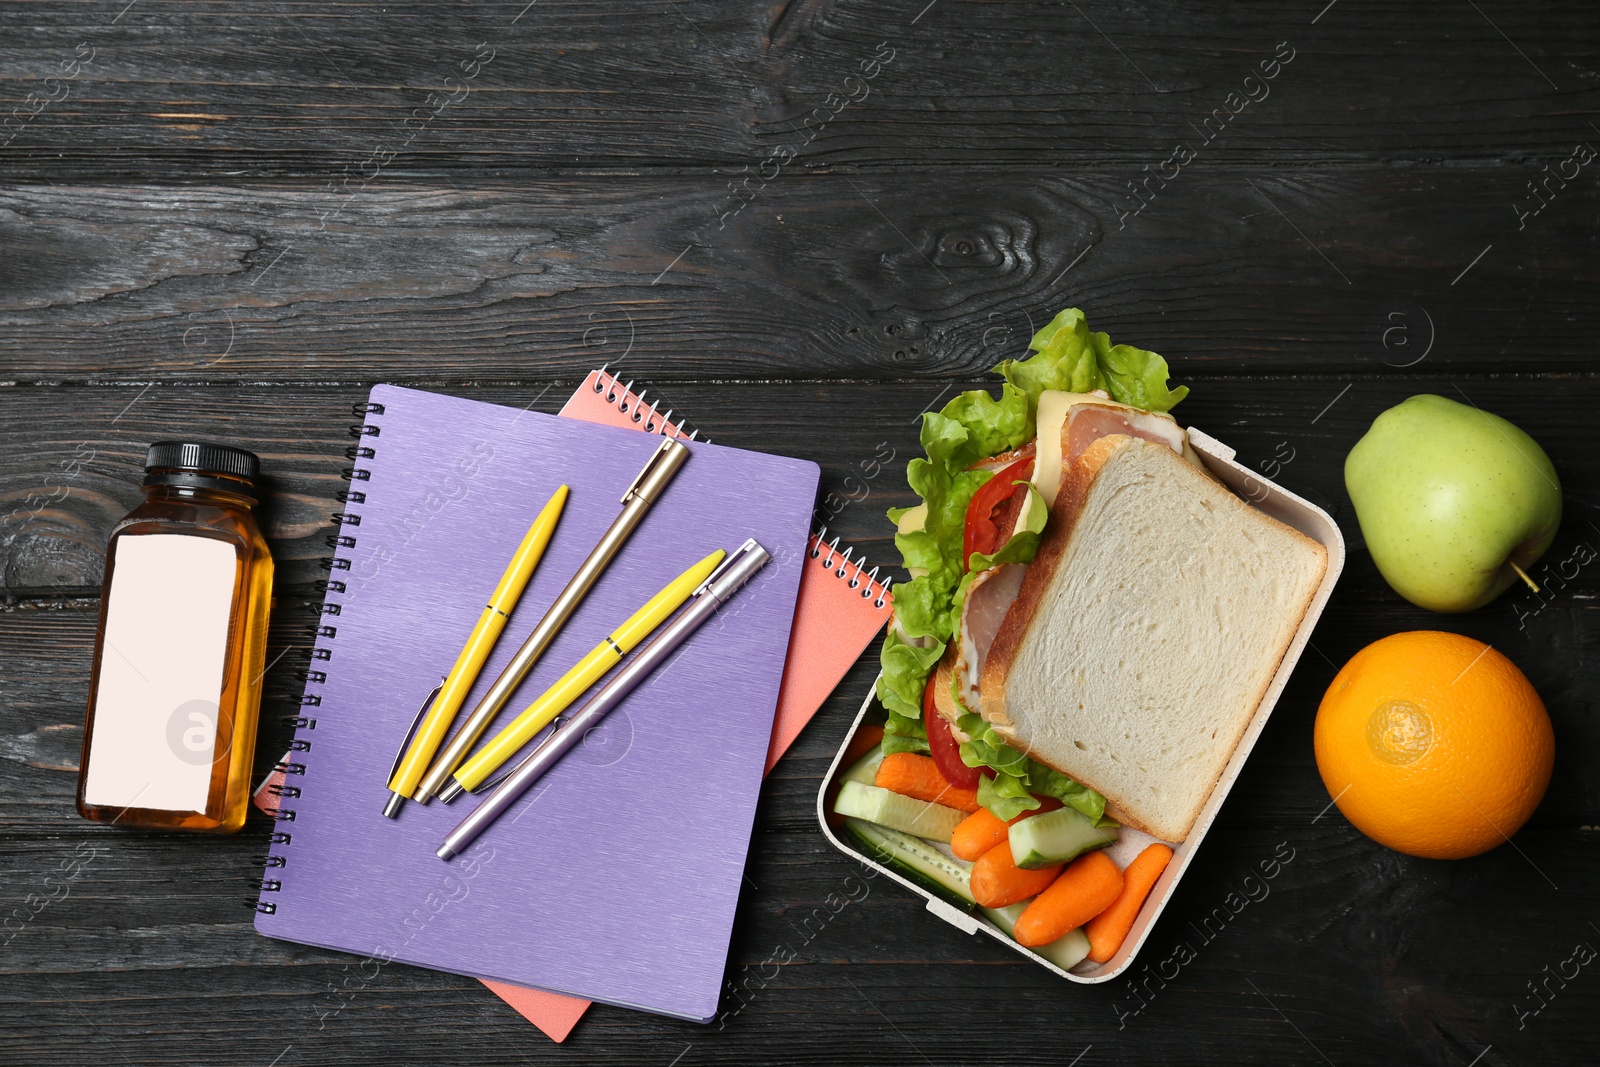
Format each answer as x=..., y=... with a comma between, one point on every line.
x=1336, y=271
x=232, y=218
x=71, y=456
x=264, y=89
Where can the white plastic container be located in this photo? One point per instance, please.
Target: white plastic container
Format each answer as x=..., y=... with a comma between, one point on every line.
x=1281, y=505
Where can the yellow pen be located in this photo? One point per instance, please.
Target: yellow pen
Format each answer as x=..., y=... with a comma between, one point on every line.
x=585, y=672
x=418, y=751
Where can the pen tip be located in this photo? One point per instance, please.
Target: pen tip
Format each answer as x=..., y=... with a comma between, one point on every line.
x=391, y=810
x=445, y=852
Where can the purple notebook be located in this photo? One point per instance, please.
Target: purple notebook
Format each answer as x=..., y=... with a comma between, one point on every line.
x=615, y=878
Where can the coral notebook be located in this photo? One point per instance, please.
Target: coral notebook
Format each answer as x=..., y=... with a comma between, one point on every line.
x=616, y=877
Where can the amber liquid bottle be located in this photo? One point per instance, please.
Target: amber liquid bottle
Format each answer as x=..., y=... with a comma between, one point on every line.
x=176, y=690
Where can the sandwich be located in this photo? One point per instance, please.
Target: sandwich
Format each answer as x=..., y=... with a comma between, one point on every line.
x=1092, y=616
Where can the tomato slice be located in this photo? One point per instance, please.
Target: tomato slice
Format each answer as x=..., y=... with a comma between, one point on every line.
x=942, y=745
x=982, y=533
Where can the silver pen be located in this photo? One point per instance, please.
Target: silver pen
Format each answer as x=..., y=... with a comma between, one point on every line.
x=645, y=491
x=724, y=582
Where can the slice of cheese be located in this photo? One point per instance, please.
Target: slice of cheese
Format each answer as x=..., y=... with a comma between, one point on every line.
x=912, y=522
x=1050, y=419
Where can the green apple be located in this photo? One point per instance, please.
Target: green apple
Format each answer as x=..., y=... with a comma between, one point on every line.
x=1454, y=503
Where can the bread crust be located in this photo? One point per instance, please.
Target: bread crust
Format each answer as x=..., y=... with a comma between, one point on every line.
x=944, y=701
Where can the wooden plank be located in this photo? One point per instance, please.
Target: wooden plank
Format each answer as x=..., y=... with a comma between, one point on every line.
x=1344, y=910
x=1225, y=272
x=71, y=457
x=362, y=93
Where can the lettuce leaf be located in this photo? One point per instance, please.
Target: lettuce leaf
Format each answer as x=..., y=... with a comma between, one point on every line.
x=991, y=426
x=1064, y=359
x=1005, y=797
x=971, y=427
x=1052, y=783
x=1070, y=356
x=902, y=734
x=1017, y=778
x=905, y=669
x=988, y=749
x=1137, y=377
x=936, y=548
x=920, y=609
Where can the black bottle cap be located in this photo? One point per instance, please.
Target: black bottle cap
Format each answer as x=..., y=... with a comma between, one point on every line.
x=203, y=458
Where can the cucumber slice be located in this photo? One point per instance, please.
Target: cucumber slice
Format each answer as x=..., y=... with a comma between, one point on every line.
x=1056, y=837
x=897, y=811
x=917, y=860
x=865, y=769
x=1066, y=951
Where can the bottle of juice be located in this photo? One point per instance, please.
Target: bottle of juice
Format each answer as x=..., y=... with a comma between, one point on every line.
x=178, y=658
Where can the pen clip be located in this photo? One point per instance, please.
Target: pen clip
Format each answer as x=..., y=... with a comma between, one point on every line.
x=731, y=560
x=511, y=768
x=405, y=743
x=662, y=464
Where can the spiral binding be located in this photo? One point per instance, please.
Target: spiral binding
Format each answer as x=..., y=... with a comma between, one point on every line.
x=862, y=579
x=624, y=398
x=364, y=433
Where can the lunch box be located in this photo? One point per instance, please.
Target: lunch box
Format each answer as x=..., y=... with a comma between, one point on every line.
x=1267, y=498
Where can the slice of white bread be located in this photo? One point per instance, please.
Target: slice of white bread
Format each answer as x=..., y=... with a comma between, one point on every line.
x=1147, y=631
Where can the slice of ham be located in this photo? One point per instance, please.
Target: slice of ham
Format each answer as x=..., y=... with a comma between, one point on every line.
x=1087, y=423
x=989, y=597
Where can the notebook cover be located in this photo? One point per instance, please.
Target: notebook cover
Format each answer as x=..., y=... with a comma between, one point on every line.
x=617, y=877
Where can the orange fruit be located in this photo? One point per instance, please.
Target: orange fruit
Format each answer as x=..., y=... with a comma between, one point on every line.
x=1434, y=744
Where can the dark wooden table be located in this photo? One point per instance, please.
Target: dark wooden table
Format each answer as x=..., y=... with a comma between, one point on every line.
x=801, y=223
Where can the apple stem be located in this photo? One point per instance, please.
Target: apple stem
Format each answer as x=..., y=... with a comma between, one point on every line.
x=1524, y=576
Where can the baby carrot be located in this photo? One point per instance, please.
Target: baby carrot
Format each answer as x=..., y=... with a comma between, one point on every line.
x=997, y=881
x=982, y=830
x=1108, y=929
x=977, y=834
x=918, y=776
x=1085, y=889
x=866, y=739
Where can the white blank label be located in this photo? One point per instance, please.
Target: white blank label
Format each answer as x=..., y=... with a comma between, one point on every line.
x=161, y=672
